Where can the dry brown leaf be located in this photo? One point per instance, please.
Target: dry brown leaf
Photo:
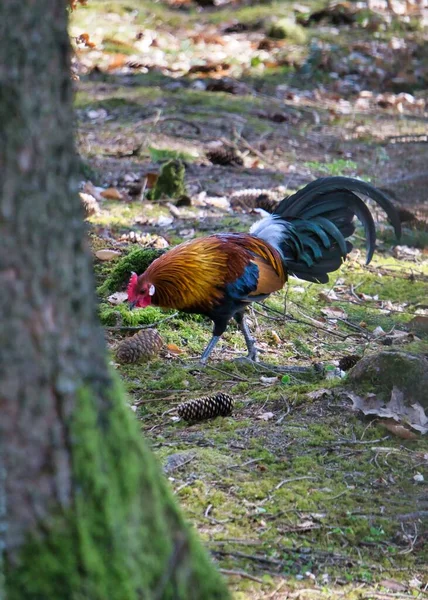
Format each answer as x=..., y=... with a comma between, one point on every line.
x=83, y=39
x=151, y=179
x=111, y=194
x=74, y=3
x=324, y=297
x=398, y=430
x=276, y=339
x=396, y=409
x=117, y=61
x=334, y=312
x=209, y=69
x=107, y=254
x=89, y=188
x=174, y=349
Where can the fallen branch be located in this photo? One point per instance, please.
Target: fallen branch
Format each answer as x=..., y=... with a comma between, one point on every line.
x=240, y=574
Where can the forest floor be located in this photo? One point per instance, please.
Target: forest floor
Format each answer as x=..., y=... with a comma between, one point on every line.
x=296, y=494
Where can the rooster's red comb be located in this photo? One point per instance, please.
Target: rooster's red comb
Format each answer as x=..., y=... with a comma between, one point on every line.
x=132, y=287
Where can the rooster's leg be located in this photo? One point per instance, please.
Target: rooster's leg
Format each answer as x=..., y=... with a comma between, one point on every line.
x=249, y=340
x=209, y=348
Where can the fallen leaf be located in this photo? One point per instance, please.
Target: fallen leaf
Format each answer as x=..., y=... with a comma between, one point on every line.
x=118, y=298
x=392, y=585
x=83, y=39
x=151, y=179
x=398, y=430
x=414, y=414
x=405, y=252
x=334, y=312
x=90, y=188
x=174, y=349
x=266, y=416
x=111, y=194
x=268, y=380
x=107, y=254
x=276, y=338
x=315, y=395
x=163, y=221
x=415, y=582
x=117, y=61
x=378, y=331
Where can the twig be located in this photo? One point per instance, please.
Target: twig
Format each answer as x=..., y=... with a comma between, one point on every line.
x=226, y=373
x=240, y=574
x=337, y=496
x=355, y=442
x=251, y=148
x=253, y=557
x=277, y=589
x=283, y=369
x=420, y=514
x=142, y=193
x=248, y=462
x=290, y=479
x=173, y=210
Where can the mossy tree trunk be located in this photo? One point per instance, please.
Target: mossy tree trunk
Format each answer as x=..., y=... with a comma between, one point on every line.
x=84, y=510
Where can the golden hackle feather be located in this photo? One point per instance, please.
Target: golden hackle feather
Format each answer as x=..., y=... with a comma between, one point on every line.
x=193, y=275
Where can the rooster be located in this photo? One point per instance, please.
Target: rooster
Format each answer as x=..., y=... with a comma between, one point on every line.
x=220, y=275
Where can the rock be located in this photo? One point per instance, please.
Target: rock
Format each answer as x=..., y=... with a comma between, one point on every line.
x=386, y=370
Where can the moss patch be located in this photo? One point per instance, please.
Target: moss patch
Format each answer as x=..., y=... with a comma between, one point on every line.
x=170, y=182
x=136, y=261
x=118, y=538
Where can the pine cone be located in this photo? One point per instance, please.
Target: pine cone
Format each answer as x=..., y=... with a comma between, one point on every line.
x=347, y=362
x=266, y=203
x=253, y=198
x=90, y=205
x=207, y=407
x=142, y=346
x=224, y=156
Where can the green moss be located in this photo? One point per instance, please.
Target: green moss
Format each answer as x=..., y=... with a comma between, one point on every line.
x=287, y=29
x=117, y=538
x=160, y=154
x=136, y=261
x=122, y=315
x=336, y=167
x=170, y=182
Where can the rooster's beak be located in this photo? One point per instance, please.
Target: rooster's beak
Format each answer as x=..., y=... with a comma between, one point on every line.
x=132, y=304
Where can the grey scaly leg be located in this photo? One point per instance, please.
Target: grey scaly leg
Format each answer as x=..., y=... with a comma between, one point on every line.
x=249, y=340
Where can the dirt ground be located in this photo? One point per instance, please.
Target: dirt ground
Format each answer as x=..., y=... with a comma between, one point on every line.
x=295, y=494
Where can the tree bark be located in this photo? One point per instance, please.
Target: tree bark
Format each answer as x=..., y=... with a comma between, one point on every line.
x=84, y=510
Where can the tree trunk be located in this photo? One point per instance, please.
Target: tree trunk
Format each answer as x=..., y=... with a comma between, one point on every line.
x=84, y=510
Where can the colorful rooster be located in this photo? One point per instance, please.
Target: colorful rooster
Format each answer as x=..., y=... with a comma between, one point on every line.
x=220, y=275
